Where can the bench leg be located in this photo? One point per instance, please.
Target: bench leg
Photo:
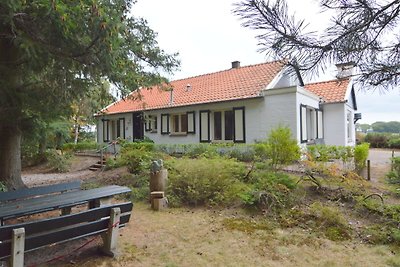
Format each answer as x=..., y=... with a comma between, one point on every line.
x=17, y=248
x=96, y=203
x=66, y=211
x=110, y=238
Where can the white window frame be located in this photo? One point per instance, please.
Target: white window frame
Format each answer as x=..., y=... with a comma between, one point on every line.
x=310, y=120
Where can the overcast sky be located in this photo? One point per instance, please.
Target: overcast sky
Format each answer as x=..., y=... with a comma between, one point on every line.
x=208, y=37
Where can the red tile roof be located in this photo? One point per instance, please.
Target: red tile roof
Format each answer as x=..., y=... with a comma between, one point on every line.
x=231, y=84
x=331, y=91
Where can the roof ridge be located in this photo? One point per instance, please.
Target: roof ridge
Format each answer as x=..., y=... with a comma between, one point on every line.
x=241, y=67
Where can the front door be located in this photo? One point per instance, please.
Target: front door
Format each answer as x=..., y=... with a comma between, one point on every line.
x=137, y=124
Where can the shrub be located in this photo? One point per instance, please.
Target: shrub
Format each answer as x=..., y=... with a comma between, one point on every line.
x=394, y=175
x=377, y=140
x=143, y=146
x=394, y=143
x=204, y=181
x=270, y=191
x=58, y=162
x=140, y=187
x=281, y=148
x=360, y=156
x=137, y=160
x=330, y=221
x=3, y=187
x=80, y=146
x=379, y=234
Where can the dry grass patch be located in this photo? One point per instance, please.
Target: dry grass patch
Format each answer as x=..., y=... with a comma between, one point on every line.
x=231, y=237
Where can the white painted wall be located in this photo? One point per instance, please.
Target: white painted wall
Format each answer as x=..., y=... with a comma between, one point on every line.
x=253, y=127
x=335, y=124
x=113, y=130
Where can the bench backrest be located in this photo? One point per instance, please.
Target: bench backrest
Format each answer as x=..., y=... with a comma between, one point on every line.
x=56, y=230
x=40, y=190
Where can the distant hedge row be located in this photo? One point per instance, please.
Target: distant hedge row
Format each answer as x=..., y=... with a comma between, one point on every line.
x=382, y=140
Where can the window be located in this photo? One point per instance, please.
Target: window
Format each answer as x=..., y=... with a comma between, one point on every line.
x=349, y=127
x=311, y=123
x=217, y=126
x=106, y=136
x=320, y=122
x=121, y=128
x=164, y=123
x=151, y=123
x=204, y=126
x=223, y=125
x=191, y=126
x=229, y=125
x=239, y=125
x=179, y=123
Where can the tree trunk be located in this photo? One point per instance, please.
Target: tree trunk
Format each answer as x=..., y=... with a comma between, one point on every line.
x=10, y=156
x=76, y=132
x=42, y=147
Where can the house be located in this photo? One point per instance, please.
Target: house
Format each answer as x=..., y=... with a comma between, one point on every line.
x=239, y=105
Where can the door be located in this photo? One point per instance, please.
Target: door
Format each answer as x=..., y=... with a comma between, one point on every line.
x=137, y=124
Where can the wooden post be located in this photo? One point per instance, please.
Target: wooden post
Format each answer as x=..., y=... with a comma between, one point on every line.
x=369, y=170
x=17, y=247
x=110, y=239
x=391, y=165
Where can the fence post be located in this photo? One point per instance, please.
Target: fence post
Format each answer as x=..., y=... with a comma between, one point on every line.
x=17, y=247
x=110, y=239
x=391, y=164
x=369, y=170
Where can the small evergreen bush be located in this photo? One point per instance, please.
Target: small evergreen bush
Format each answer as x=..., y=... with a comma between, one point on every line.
x=360, y=156
x=58, y=162
x=394, y=175
x=204, y=181
x=270, y=191
x=281, y=148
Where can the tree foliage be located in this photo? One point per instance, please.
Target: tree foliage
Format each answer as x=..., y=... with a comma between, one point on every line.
x=54, y=51
x=360, y=31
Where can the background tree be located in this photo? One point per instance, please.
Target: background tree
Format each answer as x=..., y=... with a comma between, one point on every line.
x=84, y=108
x=386, y=127
x=52, y=52
x=361, y=31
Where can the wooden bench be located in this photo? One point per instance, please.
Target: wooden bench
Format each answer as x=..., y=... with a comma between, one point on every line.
x=19, y=238
x=39, y=191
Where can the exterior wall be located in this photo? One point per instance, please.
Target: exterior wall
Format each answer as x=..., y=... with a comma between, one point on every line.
x=279, y=110
x=336, y=128
x=253, y=115
x=113, y=130
x=334, y=124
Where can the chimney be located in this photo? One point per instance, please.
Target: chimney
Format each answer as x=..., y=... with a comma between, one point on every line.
x=235, y=64
x=188, y=87
x=345, y=70
x=171, y=96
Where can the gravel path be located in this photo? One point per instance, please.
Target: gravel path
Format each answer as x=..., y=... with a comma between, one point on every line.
x=79, y=171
